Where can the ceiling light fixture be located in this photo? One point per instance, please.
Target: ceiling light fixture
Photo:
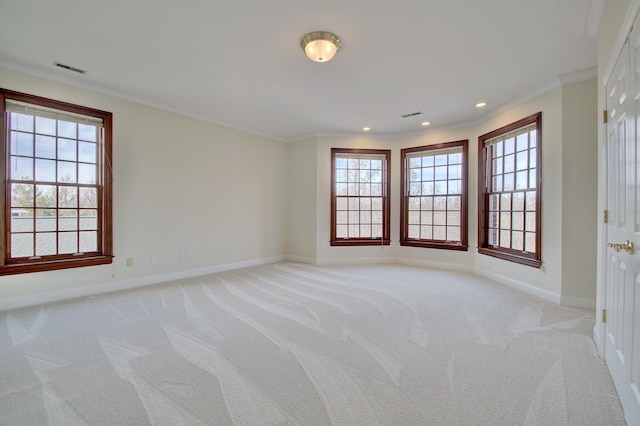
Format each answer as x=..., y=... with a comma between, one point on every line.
x=425, y=123
x=320, y=46
x=366, y=129
x=481, y=104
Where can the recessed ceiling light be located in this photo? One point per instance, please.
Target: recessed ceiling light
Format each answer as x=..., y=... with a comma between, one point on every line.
x=481, y=104
x=425, y=123
x=366, y=129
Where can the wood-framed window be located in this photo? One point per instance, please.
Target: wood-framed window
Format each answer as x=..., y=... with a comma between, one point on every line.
x=57, y=190
x=360, y=206
x=433, y=205
x=509, y=204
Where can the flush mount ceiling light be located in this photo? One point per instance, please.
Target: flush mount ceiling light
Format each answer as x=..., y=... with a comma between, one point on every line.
x=320, y=46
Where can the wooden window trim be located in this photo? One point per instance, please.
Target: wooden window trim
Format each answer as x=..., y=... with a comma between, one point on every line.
x=105, y=197
x=523, y=258
x=404, y=205
x=386, y=203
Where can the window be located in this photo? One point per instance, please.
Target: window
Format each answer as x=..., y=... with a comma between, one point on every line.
x=57, y=184
x=509, y=194
x=433, y=205
x=360, y=197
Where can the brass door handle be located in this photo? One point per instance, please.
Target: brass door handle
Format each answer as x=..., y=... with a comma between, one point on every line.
x=626, y=246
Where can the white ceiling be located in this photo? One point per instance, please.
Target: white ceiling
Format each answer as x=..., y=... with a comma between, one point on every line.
x=239, y=62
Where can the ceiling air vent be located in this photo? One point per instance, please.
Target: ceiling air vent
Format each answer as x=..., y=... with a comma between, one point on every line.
x=70, y=68
x=411, y=114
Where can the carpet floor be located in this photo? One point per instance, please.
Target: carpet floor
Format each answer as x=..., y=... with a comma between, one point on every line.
x=295, y=344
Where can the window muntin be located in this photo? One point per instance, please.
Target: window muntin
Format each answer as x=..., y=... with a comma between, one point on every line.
x=57, y=184
x=434, y=196
x=509, y=192
x=360, y=196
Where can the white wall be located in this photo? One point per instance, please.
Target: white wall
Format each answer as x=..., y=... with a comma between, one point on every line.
x=179, y=184
x=301, y=200
x=579, y=187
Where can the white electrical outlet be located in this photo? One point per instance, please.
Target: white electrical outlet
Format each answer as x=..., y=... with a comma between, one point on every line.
x=154, y=260
x=182, y=256
x=129, y=261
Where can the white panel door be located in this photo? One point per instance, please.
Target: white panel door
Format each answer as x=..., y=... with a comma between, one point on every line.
x=622, y=329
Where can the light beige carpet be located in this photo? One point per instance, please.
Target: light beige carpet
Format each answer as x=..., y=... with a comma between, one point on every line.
x=293, y=344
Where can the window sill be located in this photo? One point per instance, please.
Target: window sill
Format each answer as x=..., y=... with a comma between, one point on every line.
x=52, y=265
x=434, y=245
x=511, y=257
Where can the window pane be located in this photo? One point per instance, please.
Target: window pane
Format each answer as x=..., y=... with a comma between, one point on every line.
x=517, y=242
x=441, y=173
x=341, y=188
x=354, y=231
x=89, y=198
x=21, y=220
x=522, y=142
x=46, y=244
x=521, y=180
x=426, y=203
x=453, y=233
x=440, y=203
x=426, y=232
x=365, y=203
x=530, y=242
x=365, y=189
x=88, y=241
x=22, y=245
x=509, y=163
x=341, y=217
x=522, y=160
x=21, y=122
x=440, y=233
x=46, y=126
x=365, y=231
x=414, y=162
x=376, y=231
x=505, y=239
x=518, y=201
x=68, y=242
x=505, y=220
x=414, y=231
x=22, y=195
x=89, y=219
x=21, y=168
x=87, y=132
x=376, y=176
x=341, y=203
x=427, y=173
x=453, y=203
x=67, y=129
x=376, y=189
x=517, y=221
x=414, y=218
x=426, y=218
x=341, y=231
x=453, y=218
x=414, y=203
x=68, y=196
x=68, y=220
x=508, y=182
x=67, y=150
x=509, y=146
x=341, y=163
x=439, y=218
x=45, y=196
x=45, y=170
x=45, y=147
x=45, y=220
x=530, y=201
x=530, y=222
x=22, y=144
x=67, y=172
x=87, y=152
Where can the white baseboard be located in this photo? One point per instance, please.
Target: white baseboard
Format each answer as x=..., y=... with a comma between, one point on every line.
x=353, y=260
x=111, y=286
x=578, y=302
x=527, y=288
x=300, y=259
x=435, y=265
